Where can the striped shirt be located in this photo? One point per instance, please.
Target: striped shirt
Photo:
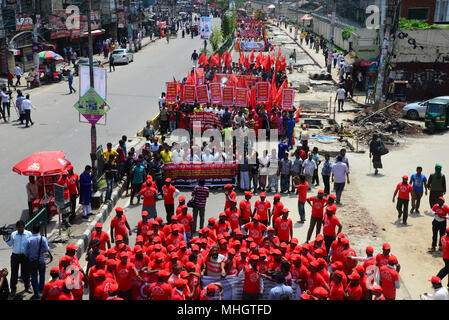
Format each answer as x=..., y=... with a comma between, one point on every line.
x=201, y=193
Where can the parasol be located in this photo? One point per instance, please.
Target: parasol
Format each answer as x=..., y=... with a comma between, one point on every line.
x=43, y=163
x=49, y=55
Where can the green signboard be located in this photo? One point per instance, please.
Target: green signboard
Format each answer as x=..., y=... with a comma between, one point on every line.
x=92, y=106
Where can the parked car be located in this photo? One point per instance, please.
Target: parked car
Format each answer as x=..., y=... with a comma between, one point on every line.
x=122, y=56
x=417, y=110
x=85, y=62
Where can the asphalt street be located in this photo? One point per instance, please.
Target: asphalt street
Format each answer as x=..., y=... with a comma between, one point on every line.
x=132, y=93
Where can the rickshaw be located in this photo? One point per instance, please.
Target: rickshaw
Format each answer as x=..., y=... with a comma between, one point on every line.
x=437, y=114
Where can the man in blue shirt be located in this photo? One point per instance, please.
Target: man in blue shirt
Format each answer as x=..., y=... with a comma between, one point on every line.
x=418, y=182
x=281, y=291
x=35, y=250
x=18, y=240
x=290, y=129
x=282, y=149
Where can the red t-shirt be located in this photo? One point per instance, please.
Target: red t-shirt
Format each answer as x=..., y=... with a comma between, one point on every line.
x=52, y=289
x=124, y=275
x=175, y=295
x=143, y=228
x=148, y=196
x=404, y=190
x=186, y=220
x=337, y=249
x=441, y=211
x=337, y=291
x=251, y=282
x=314, y=281
x=119, y=225
x=255, y=232
x=245, y=209
x=317, y=206
x=445, y=244
x=174, y=240
x=66, y=296
x=382, y=260
x=168, y=194
x=356, y=291
x=103, y=237
x=277, y=210
x=161, y=291
x=329, y=225
x=262, y=209
x=73, y=182
x=65, y=183
x=139, y=264
x=231, y=195
x=233, y=217
x=221, y=228
x=351, y=263
x=388, y=277
x=283, y=228
x=302, y=191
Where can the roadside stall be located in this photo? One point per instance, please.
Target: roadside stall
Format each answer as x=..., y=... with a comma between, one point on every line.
x=48, y=71
x=47, y=167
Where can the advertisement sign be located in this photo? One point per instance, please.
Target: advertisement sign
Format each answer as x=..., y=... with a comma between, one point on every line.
x=263, y=91
x=121, y=20
x=205, y=27
x=201, y=94
x=241, y=97
x=288, y=98
x=25, y=22
x=171, y=92
x=92, y=106
x=215, y=93
x=99, y=81
x=186, y=174
x=228, y=96
x=189, y=94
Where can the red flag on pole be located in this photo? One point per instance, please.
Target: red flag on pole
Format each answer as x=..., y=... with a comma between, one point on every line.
x=298, y=112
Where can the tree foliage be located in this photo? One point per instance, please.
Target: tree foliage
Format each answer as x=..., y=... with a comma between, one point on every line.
x=216, y=38
x=346, y=33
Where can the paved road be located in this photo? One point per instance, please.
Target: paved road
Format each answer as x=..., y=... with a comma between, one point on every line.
x=132, y=93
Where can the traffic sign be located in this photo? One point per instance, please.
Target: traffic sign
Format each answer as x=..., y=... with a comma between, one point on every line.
x=92, y=106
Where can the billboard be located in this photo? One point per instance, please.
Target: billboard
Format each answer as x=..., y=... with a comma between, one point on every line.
x=205, y=27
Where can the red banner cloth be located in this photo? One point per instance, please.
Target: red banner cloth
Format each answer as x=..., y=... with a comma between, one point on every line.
x=241, y=97
x=171, y=92
x=288, y=98
x=189, y=94
x=228, y=96
x=263, y=91
x=215, y=93
x=201, y=94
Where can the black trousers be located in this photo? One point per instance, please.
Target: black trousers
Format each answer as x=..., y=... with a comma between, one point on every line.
x=20, y=260
x=72, y=205
x=170, y=210
x=438, y=227
x=402, y=207
x=315, y=177
x=314, y=221
x=445, y=271
x=328, y=241
x=28, y=117
x=327, y=186
x=198, y=211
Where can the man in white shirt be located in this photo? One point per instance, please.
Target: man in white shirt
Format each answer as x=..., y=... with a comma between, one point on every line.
x=207, y=157
x=440, y=293
x=18, y=73
x=340, y=173
x=161, y=100
x=340, y=96
x=27, y=105
x=309, y=167
x=335, y=56
x=5, y=104
x=178, y=154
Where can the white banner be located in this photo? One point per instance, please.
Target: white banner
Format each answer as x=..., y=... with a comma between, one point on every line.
x=205, y=27
x=99, y=81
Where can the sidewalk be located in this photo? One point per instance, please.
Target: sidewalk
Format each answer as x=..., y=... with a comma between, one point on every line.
x=318, y=58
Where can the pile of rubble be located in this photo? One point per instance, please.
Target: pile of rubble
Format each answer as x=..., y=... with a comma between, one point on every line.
x=384, y=122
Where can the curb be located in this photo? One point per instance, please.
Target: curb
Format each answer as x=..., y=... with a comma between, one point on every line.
x=319, y=65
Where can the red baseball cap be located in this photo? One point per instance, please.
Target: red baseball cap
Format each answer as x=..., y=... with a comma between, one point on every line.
x=101, y=258
x=341, y=235
x=137, y=248
x=163, y=273
x=174, y=217
x=319, y=237
x=190, y=265
x=111, y=262
x=184, y=274
x=283, y=245
x=294, y=240
x=256, y=217
x=228, y=186
x=180, y=282
x=69, y=167
x=222, y=214
x=405, y=177
x=305, y=296
x=332, y=196
x=71, y=247
x=158, y=219
x=320, y=191
x=345, y=241
x=119, y=237
x=247, y=193
x=98, y=225
x=119, y=209
x=435, y=279
x=237, y=231
x=354, y=276
x=54, y=270
x=285, y=210
x=168, y=180
x=263, y=194
x=337, y=265
x=321, y=261
x=99, y=273
x=315, y=264
x=181, y=198
x=64, y=172
x=139, y=238
x=320, y=291
x=270, y=229
x=296, y=257
x=212, y=287
x=277, y=196
x=359, y=268
x=369, y=249
x=386, y=246
x=254, y=257
x=231, y=251
x=144, y=213
x=339, y=273
x=211, y=220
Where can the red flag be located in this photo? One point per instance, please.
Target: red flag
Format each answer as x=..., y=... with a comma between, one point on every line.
x=200, y=60
x=298, y=113
x=252, y=99
x=279, y=52
x=259, y=57
x=246, y=63
x=228, y=60
x=190, y=79
x=223, y=56
x=232, y=81
x=251, y=57
x=218, y=60
x=279, y=93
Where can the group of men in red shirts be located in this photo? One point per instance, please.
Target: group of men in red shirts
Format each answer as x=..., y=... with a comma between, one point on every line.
x=167, y=262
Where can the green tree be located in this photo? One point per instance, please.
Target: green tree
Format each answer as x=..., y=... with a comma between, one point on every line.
x=225, y=26
x=216, y=38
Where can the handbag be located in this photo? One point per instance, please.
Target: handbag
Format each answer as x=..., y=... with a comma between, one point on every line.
x=191, y=203
x=382, y=150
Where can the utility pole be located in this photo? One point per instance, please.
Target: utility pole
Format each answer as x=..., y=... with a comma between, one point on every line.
x=93, y=130
x=331, y=36
x=297, y=19
x=391, y=16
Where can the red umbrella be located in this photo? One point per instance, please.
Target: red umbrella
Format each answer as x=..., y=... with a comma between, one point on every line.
x=43, y=163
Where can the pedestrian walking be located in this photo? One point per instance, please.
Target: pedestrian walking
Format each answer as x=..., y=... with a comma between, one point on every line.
x=285, y=167
x=340, y=96
x=296, y=169
x=340, y=175
x=73, y=57
x=403, y=190
x=138, y=173
x=326, y=174
x=5, y=104
x=200, y=194
x=194, y=58
x=302, y=185
x=317, y=159
x=309, y=166
x=18, y=73
x=440, y=292
x=74, y=189
x=111, y=63
x=70, y=81
x=170, y=193
x=36, y=248
x=436, y=185
x=120, y=225
x=18, y=240
x=19, y=100
x=244, y=168
x=445, y=244
x=440, y=212
x=27, y=106
x=330, y=222
x=317, y=203
x=376, y=147
x=109, y=170
x=419, y=183
x=85, y=191
x=389, y=278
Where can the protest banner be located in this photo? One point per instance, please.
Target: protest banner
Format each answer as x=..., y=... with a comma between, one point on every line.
x=215, y=93
x=288, y=99
x=202, y=95
x=189, y=94
x=228, y=96
x=171, y=92
x=263, y=91
x=241, y=97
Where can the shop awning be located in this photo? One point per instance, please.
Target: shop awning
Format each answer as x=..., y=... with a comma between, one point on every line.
x=96, y=32
x=306, y=17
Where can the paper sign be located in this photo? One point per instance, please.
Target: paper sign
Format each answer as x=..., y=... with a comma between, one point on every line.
x=263, y=89
x=228, y=96
x=215, y=93
x=171, y=92
x=241, y=97
x=201, y=94
x=189, y=94
x=288, y=98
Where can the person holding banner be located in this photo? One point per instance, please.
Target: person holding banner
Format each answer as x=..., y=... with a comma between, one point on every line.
x=253, y=283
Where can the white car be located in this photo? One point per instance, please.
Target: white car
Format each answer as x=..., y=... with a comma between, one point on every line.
x=122, y=56
x=417, y=110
